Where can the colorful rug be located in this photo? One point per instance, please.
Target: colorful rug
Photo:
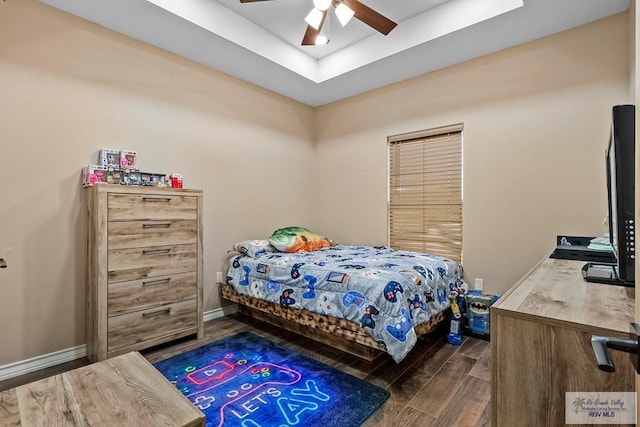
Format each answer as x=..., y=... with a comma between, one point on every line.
x=248, y=381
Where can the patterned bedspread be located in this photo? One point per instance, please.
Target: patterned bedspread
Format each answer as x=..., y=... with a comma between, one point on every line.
x=384, y=290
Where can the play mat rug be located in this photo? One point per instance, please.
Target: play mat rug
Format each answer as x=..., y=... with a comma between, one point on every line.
x=248, y=381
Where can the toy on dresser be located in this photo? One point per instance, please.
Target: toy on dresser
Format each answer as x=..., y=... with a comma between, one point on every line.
x=114, y=176
x=152, y=179
x=109, y=158
x=121, y=167
x=131, y=177
x=128, y=159
x=94, y=174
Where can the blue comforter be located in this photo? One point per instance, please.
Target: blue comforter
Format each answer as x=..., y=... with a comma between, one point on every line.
x=386, y=291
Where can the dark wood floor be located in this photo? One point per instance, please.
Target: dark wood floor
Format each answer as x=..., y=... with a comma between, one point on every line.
x=437, y=384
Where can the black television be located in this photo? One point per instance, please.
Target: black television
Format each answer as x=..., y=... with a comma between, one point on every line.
x=620, y=159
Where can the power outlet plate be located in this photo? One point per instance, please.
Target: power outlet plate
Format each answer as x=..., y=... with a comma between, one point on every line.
x=479, y=284
x=219, y=277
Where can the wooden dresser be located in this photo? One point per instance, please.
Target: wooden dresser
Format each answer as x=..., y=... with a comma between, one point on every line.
x=123, y=391
x=144, y=284
x=541, y=332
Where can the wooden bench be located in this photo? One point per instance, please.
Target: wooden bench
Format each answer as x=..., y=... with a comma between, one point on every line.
x=123, y=391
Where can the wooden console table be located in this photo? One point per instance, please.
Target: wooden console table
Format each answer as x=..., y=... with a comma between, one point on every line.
x=541, y=332
x=123, y=391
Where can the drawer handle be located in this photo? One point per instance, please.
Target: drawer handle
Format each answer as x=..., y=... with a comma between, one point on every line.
x=156, y=199
x=163, y=225
x=155, y=251
x=156, y=282
x=156, y=313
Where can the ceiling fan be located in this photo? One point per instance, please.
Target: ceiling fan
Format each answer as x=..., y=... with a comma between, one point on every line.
x=345, y=10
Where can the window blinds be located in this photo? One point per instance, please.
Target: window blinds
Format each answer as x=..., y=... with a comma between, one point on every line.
x=425, y=192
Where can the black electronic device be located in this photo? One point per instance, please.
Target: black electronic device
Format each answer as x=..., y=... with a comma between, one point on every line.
x=602, y=273
x=621, y=190
x=577, y=248
x=620, y=162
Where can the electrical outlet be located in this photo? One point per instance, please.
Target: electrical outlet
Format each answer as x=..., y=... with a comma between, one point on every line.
x=219, y=277
x=479, y=284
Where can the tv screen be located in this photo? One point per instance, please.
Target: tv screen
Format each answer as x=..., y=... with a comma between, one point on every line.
x=621, y=190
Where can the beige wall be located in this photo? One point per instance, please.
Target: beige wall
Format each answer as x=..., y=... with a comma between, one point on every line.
x=68, y=88
x=536, y=123
x=633, y=36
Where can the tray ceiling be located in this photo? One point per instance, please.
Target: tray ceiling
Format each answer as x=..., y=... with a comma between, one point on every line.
x=260, y=41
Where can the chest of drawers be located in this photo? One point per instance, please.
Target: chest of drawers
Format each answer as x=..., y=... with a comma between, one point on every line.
x=144, y=275
x=541, y=331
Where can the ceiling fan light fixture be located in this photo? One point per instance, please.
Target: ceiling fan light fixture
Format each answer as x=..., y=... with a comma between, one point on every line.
x=321, y=39
x=322, y=4
x=314, y=18
x=344, y=13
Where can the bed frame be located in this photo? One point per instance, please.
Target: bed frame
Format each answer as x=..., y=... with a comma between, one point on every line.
x=339, y=333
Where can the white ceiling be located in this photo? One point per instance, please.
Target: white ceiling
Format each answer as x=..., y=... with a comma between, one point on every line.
x=260, y=42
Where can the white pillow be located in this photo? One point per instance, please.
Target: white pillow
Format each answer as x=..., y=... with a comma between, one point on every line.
x=254, y=248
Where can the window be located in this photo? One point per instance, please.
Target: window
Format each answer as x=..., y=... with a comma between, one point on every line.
x=425, y=192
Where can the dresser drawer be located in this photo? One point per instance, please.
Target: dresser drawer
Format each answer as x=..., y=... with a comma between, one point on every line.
x=123, y=207
x=141, y=263
x=124, y=297
x=144, y=325
x=135, y=234
x=144, y=267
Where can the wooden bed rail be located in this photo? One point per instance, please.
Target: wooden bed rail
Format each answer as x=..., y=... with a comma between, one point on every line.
x=339, y=333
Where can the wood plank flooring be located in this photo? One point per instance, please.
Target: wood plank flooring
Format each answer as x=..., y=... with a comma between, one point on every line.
x=437, y=384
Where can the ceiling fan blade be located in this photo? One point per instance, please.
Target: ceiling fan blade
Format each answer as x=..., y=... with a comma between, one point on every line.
x=251, y=1
x=370, y=17
x=311, y=34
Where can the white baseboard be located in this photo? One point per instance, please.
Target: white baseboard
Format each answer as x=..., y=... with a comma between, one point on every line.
x=56, y=358
x=40, y=362
x=220, y=312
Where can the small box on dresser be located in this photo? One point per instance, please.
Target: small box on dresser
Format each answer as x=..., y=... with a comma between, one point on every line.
x=144, y=274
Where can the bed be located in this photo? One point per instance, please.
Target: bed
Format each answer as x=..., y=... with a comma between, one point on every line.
x=360, y=299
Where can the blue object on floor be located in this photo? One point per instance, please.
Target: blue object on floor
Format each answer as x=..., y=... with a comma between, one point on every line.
x=454, y=336
x=246, y=380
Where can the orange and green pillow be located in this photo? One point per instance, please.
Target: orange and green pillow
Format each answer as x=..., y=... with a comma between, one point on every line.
x=298, y=239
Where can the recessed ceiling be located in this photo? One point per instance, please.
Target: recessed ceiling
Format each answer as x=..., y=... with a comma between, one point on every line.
x=260, y=42
x=285, y=19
